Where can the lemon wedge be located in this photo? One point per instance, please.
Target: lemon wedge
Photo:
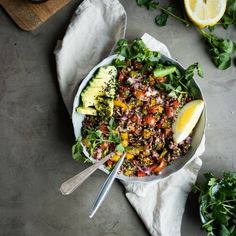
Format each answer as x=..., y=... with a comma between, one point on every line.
x=186, y=120
x=205, y=12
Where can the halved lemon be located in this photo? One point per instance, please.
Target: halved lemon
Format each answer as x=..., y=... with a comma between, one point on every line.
x=205, y=12
x=186, y=120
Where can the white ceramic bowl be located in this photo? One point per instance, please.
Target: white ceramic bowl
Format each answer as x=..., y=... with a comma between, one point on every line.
x=198, y=133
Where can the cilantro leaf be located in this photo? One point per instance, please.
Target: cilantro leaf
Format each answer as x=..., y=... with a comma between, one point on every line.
x=229, y=17
x=77, y=150
x=137, y=50
x=220, y=50
x=218, y=204
x=189, y=73
x=120, y=148
x=161, y=19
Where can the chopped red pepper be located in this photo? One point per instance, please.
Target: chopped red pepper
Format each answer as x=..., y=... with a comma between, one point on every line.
x=121, y=76
x=169, y=111
x=175, y=103
x=139, y=94
x=104, y=145
x=153, y=109
x=103, y=128
x=141, y=173
x=160, y=167
x=150, y=120
x=109, y=163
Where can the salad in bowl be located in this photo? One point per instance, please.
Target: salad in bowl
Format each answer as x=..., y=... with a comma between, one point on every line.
x=142, y=103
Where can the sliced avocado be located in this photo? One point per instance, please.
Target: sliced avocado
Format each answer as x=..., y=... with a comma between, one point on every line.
x=89, y=95
x=86, y=111
x=100, y=92
x=104, y=106
x=107, y=72
x=97, y=82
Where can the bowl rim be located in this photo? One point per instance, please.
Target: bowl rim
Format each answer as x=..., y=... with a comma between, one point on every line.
x=152, y=178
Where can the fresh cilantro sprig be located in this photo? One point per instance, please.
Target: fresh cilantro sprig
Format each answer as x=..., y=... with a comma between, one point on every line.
x=229, y=17
x=218, y=204
x=179, y=83
x=77, y=151
x=95, y=137
x=221, y=50
x=166, y=11
x=137, y=50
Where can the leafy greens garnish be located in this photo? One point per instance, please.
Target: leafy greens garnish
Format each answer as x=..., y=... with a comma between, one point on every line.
x=177, y=84
x=136, y=51
x=218, y=204
x=161, y=19
x=220, y=49
x=95, y=137
x=181, y=83
x=77, y=150
x=229, y=17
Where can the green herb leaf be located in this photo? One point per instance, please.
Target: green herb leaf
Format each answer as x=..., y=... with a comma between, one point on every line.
x=161, y=19
x=112, y=123
x=221, y=60
x=120, y=148
x=220, y=50
x=189, y=73
x=151, y=6
x=211, y=28
x=119, y=63
x=137, y=51
x=142, y=2
x=77, y=150
x=218, y=204
x=229, y=17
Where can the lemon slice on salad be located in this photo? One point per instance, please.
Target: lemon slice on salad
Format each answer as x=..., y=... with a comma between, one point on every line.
x=205, y=12
x=186, y=120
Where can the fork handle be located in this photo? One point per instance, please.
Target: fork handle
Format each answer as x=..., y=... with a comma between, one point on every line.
x=106, y=187
x=71, y=184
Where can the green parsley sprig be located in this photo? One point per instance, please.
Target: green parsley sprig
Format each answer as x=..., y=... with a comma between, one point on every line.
x=137, y=50
x=166, y=11
x=218, y=204
x=220, y=50
x=229, y=17
x=95, y=137
x=177, y=84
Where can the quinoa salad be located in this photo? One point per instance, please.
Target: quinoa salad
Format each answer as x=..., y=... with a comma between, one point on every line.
x=142, y=112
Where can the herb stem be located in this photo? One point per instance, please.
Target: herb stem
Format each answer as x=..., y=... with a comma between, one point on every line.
x=173, y=15
x=183, y=84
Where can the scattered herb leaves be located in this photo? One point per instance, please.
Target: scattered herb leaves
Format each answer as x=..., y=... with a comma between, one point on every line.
x=137, y=50
x=220, y=50
x=218, y=204
x=229, y=17
x=179, y=84
x=162, y=18
x=120, y=148
x=77, y=150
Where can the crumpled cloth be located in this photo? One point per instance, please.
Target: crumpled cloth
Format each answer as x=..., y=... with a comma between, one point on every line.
x=92, y=34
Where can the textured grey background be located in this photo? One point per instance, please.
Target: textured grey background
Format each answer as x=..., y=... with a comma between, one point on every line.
x=36, y=132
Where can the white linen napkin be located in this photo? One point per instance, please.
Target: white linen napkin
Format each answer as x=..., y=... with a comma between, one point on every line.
x=94, y=30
